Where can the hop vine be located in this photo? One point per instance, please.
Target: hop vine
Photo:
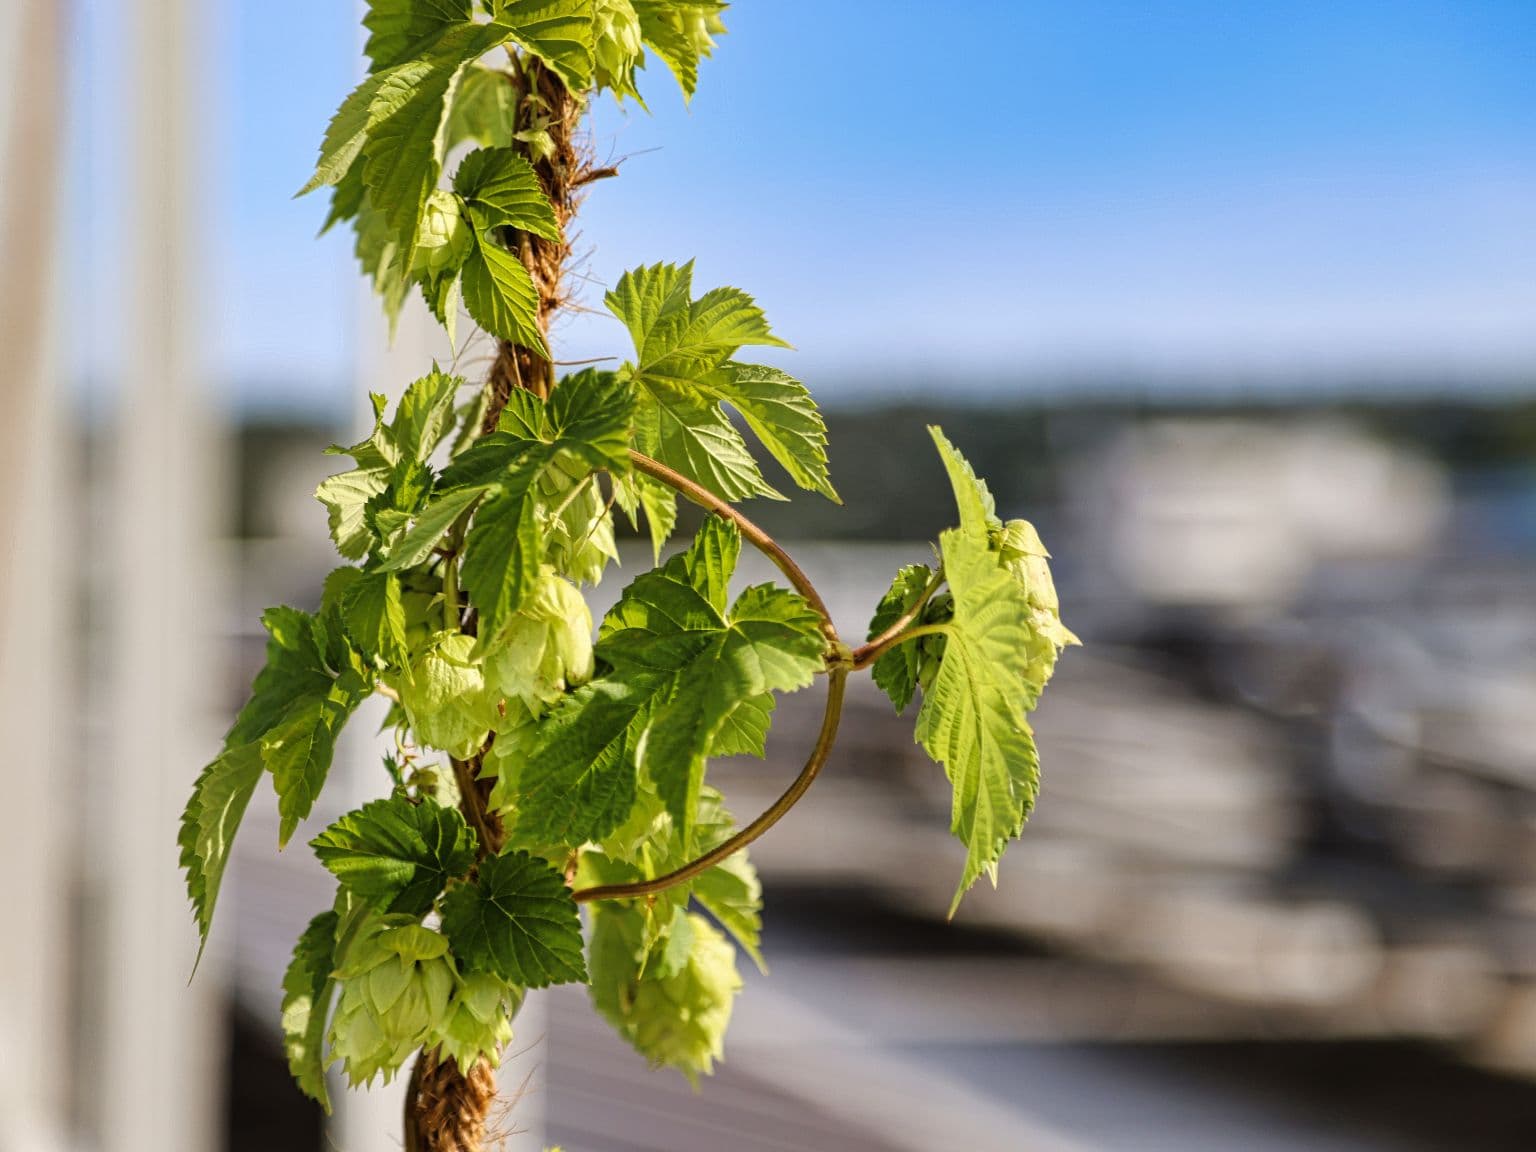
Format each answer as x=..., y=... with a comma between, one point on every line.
x=541, y=769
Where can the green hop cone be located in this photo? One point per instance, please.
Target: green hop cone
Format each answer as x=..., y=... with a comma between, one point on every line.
x=678, y=1020
x=479, y=1020
x=1025, y=557
x=701, y=27
x=576, y=522
x=446, y=697
x=444, y=240
x=548, y=647
x=397, y=981
x=619, y=48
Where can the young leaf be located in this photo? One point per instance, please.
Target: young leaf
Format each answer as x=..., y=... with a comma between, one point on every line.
x=503, y=186
x=307, y=991
x=396, y=853
x=429, y=527
x=639, y=492
x=424, y=415
x=678, y=339
x=209, y=823
x=516, y=921
x=585, y=423
x=683, y=374
x=295, y=668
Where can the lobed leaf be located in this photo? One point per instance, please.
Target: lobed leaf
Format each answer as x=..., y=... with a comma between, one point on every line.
x=396, y=853
x=517, y=921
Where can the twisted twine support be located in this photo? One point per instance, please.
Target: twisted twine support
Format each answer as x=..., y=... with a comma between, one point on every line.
x=446, y=1108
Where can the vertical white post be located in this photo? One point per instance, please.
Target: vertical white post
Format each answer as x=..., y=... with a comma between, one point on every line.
x=161, y=1051
x=36, y=507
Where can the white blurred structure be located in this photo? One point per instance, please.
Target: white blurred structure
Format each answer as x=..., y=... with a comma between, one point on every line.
x=1238, y=514
x=34, y=1017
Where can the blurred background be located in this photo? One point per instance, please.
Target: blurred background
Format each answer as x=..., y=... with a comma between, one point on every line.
x=1234, y=300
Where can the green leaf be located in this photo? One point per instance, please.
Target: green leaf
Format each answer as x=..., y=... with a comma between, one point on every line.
x=394, y=121
x=208, y=826
x=424, y=416
x=396, y=853
x=307, y=991
x=295, y=668
x=503, y=550
x=578, y=780
x=429, y=527
x=373, y=100
x=680, y=32
x=299, y=751
x=972, y=718
x=584, y=427
x=506, y=190
x=346, y=496
x=745, y=730
x=896, y=672
x=499, y=294
x=678, y=339
x=402, y=161
x=780, y=411
x=978, y=511
x=690, y=434
x=517, y=921
x=669, y=623
x=373, y=614
x=639, y=492
x=680, y=343
x=678, y=1019
x=378, y=251
x=559, y=32
x=397, y=27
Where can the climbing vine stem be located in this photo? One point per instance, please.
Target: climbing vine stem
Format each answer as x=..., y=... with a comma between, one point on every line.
x=837, y=681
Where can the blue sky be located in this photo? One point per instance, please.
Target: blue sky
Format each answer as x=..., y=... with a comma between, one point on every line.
x=969, y=194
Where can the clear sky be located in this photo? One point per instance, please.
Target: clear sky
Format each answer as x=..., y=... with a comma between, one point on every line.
x=970, y=193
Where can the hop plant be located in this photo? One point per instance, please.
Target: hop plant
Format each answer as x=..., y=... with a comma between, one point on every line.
x=469, y=520
x=397, y=980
